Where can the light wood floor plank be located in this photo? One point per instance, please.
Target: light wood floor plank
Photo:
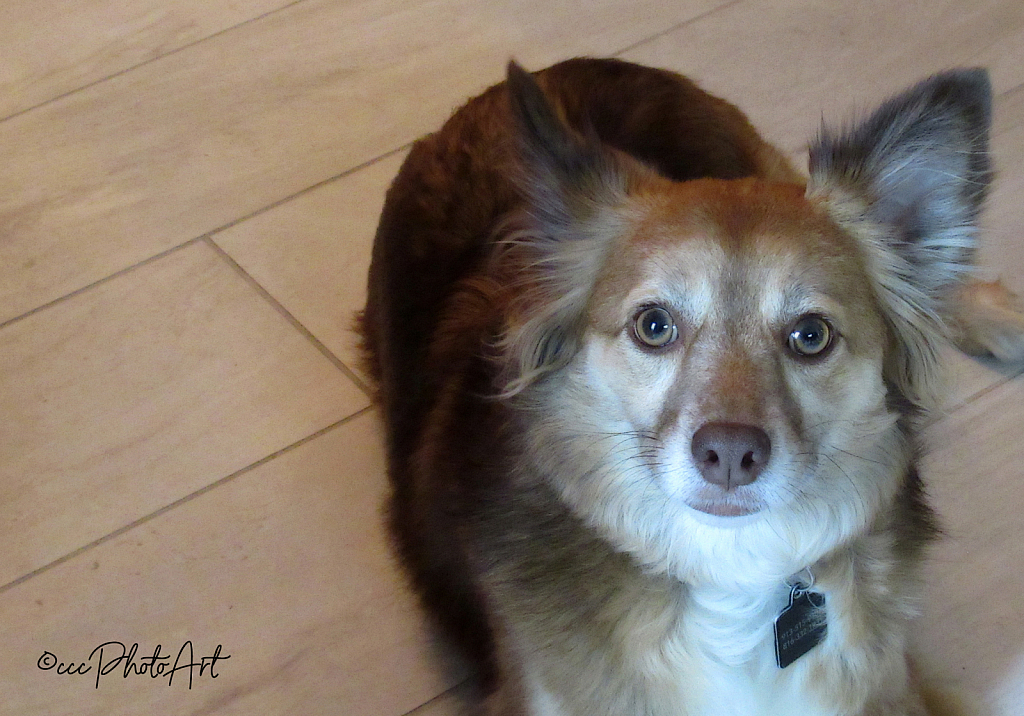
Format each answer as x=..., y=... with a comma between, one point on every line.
x=115, y=173
x=284, y=567
x=1002, y=251
x=458, y=701
x=312, y=253
x=142, y=390
x=972, y=633
x=50, y=49
x=790, y=63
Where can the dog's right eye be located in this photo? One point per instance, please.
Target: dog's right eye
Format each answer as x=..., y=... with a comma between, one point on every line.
x=654, y=327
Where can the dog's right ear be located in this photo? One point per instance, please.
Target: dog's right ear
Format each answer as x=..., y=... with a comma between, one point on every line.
x=571, y=184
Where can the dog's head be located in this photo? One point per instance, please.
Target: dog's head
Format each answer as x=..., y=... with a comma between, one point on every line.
x=727, y=365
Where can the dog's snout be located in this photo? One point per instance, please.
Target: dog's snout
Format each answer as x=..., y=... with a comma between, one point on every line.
x=730, y=454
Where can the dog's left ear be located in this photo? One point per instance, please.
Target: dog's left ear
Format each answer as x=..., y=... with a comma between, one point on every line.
x=909, y=184
x=566, y=176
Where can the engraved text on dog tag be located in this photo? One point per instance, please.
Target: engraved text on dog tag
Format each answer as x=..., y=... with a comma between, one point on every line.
x=799, y=627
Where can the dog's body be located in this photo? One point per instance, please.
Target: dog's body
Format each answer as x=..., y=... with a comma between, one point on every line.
x=639, y=379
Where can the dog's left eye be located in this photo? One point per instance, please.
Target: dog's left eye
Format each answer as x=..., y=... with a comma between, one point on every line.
x=810, y=336
x=654, y=327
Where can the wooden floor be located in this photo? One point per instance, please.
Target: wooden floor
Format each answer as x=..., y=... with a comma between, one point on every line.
x=187, y=199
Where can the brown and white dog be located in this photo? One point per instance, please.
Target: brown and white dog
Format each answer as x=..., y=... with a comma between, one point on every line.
x=652, y=397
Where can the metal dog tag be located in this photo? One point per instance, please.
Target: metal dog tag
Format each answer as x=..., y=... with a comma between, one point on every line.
x=799, y=627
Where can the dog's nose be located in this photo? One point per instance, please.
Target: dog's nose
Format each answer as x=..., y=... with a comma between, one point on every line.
x=730, y=454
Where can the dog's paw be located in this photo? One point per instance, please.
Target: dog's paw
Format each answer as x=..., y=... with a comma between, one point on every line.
x=989, y=321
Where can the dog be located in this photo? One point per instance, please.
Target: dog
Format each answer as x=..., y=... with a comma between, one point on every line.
x=652, y=397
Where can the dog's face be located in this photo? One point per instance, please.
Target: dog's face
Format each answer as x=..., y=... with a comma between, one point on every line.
x=722, y=372
x=734, y=328
x=726, y=409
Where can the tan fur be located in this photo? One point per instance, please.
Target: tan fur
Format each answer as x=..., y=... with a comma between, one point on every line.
x=568, y=494
x=989, y=321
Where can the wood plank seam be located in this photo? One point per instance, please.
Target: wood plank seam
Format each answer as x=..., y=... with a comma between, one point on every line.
x=288, y=316
x=182, y=500
x=137, y=65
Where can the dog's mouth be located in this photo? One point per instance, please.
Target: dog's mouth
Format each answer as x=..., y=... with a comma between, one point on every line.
x=725, y=509
x=721, y=503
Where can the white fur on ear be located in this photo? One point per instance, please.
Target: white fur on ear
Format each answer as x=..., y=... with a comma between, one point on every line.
x=909, y=182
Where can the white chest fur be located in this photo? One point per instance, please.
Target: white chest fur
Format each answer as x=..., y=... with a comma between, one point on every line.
x=719, y=661
x=730, y=666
